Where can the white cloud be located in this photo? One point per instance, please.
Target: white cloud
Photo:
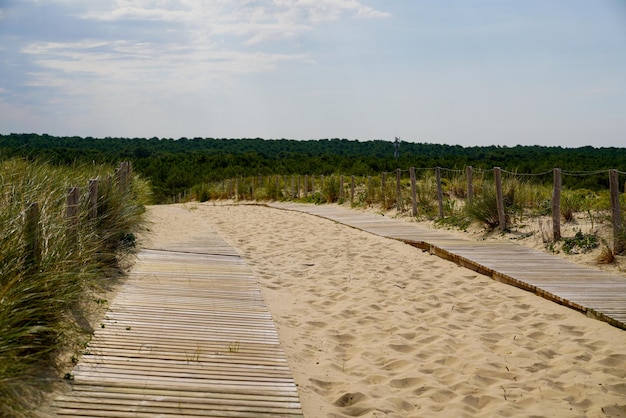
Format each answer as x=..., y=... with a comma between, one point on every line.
x=217, y=37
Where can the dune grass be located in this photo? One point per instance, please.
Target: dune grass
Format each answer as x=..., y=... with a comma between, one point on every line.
x=41, y=285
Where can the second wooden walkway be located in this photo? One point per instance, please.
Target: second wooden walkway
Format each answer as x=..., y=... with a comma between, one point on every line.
x=598, y=294
x=188, y=335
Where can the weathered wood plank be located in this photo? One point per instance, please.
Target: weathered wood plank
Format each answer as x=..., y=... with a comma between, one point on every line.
x=188, y=335
x=581, y=288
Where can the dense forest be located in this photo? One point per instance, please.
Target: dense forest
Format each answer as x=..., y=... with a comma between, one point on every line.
x=173, y=165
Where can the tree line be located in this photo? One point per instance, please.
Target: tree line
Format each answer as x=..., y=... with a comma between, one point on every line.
x=174, y=165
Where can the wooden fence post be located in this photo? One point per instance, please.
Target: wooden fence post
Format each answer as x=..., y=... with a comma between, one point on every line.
x=383, y=186
x=469, y=172
x=312, y=184
x=93, y=198
x=341, y=197
x=413, y=192
x=618, y=233
x=252, y=197
x=298, y=189
x=293, y=186
x=306, y=185
x=439, y=191
x=32, y=232
x=497, y=173
x=556, y=205
x=277, y=186
x=71, y=213
x=369, y=189
x=351, y=189
x=398, y=189
x=322, y=183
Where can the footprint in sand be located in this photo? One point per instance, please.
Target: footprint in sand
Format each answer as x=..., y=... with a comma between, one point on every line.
x=402, y=348
x=406, y=382
x=322, y=384
x=317, y=324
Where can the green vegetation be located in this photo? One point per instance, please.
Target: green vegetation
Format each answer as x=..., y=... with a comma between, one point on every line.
x=50, y=264
x=176, y=166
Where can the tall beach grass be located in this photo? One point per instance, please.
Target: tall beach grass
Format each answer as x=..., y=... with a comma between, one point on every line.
x=48, y=263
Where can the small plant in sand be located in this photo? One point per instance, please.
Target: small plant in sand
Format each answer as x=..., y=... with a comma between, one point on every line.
x=580, y=243
x=233, y=347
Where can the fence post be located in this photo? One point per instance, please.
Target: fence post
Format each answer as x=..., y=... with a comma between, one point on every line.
x=556, y=205
x=439, y=191
x=497, y=173
x=341, y=188
x=383, y=185
x=298, y=189
x=32, y=232
x=351, y=189
x=293, y=186
x=469, y=171
x=618, y=243
x=306, y=185
x=369, y=190
x=93, y=198
x=71, y=213
x=398, y=189
x=413, y=192
x=277, y=186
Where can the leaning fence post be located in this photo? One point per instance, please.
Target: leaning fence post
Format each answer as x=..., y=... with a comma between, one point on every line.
x=439, y=191
x=398, y=189
x=556, y=205
x=413, y=192
x=618, y=242
x=32, y=232
x=93, y=198
x=469, y=172
x=499, y=197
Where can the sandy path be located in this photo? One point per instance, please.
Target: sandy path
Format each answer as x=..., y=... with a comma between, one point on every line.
x=376, y=328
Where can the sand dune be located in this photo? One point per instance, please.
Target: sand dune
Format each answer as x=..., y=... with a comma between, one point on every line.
x=373, y=327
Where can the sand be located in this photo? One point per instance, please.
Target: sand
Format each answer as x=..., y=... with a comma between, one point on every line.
x=373, y=327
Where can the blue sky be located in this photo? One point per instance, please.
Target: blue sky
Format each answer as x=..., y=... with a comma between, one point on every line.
x=481, y=72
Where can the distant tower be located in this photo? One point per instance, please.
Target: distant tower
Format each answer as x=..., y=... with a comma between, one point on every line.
x=396, y=146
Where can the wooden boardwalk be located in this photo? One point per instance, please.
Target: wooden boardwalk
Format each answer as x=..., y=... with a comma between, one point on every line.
x=598, y=294
x=188, y=335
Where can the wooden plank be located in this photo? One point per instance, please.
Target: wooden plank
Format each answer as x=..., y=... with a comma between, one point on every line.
x=187, y=335
x=581, y=288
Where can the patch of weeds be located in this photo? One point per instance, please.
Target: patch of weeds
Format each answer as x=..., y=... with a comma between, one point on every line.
x=580, y=243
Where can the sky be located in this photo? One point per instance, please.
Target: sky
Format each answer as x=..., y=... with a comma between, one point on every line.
x=458, y=72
